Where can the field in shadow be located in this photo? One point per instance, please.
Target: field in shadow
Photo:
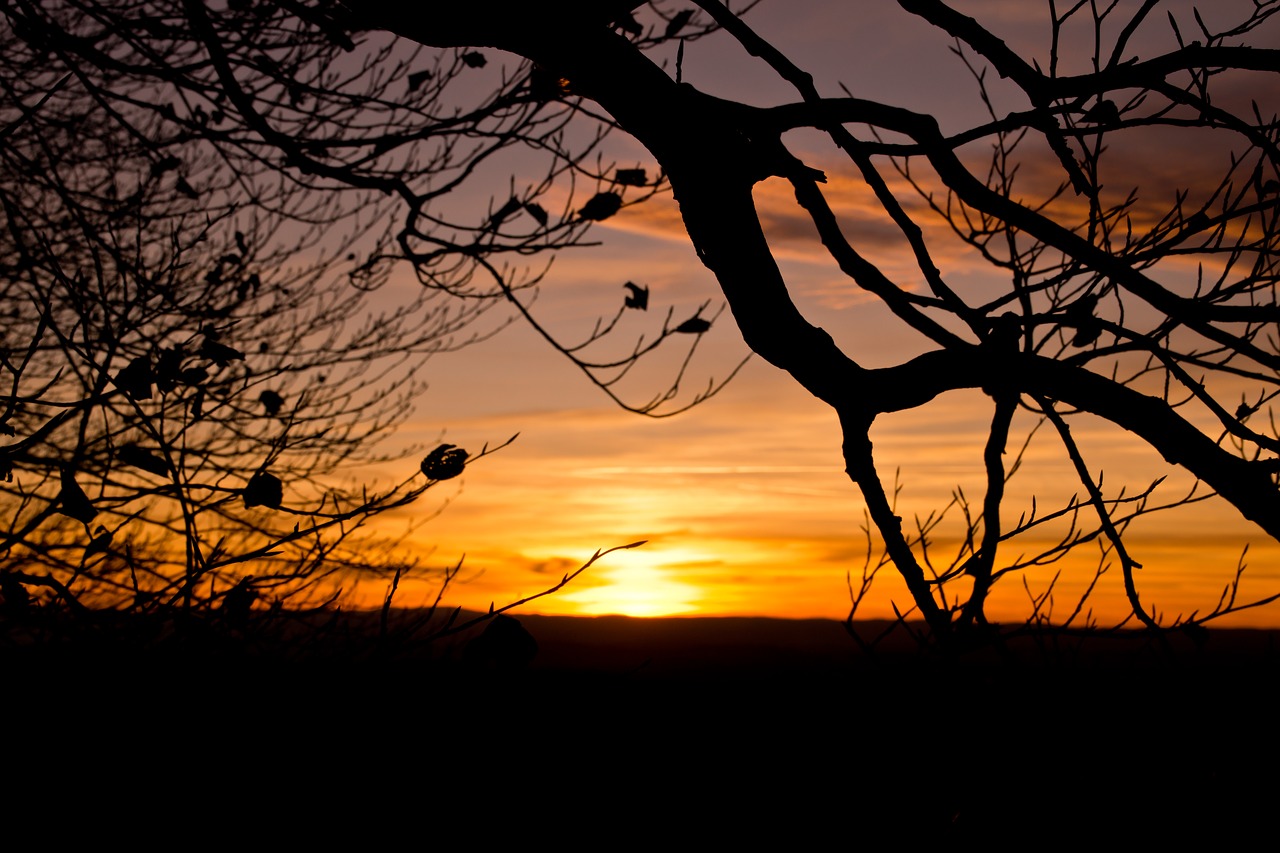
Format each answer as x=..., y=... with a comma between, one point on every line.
x=734, y=728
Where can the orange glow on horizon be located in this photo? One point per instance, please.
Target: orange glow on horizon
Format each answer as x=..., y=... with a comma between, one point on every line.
x=749, y=516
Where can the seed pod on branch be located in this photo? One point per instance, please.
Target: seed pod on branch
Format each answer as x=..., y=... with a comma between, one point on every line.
x=444, y=463
x=601, y=206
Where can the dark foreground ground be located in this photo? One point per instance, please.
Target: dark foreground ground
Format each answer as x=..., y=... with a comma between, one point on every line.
x=676, y=731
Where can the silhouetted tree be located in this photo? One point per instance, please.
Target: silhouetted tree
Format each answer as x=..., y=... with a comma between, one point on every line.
x=1152, y=308
x=200, y=213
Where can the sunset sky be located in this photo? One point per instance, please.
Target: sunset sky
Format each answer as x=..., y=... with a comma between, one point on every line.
x=742, y=500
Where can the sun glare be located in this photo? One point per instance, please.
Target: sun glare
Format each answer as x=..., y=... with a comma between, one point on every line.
x=638, y=585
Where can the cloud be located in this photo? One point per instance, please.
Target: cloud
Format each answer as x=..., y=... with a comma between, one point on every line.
x=557, y=566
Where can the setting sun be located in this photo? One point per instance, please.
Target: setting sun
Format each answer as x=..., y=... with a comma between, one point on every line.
x=634, y=584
